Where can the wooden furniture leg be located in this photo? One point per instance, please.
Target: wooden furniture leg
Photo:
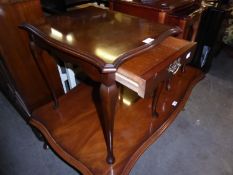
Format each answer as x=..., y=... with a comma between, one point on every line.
x=37, y=55
x=183, y=68
x=168, y=83
x=108, y=97
x=155, y=99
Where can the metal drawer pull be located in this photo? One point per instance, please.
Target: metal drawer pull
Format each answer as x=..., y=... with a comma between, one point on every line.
x=174, y=67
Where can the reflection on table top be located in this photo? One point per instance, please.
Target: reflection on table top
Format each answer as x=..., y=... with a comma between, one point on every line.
x=103, y=35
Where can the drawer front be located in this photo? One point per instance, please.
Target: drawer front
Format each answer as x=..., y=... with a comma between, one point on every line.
x=177, y=65
x=143, y=73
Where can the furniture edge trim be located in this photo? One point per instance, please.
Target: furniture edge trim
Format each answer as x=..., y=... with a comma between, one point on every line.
x=58, y=150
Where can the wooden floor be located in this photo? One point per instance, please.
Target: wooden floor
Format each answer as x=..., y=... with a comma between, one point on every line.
x=77, y=135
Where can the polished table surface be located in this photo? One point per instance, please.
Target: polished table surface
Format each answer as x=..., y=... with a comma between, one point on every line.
x=102, y=37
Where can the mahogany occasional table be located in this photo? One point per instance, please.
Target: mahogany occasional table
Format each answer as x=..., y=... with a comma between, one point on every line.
x=79, y=125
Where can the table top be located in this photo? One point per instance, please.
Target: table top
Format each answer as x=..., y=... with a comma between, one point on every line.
x=168, y=6
x=102, y=37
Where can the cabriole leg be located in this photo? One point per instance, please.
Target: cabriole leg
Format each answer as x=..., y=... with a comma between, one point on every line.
x=108, y=97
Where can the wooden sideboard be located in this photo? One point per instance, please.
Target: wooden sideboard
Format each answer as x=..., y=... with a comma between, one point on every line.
x=185, y=14
x=24, y=85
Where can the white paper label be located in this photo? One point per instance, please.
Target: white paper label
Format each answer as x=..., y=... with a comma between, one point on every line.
x=188, y=55
x=174, y=103
x=148, y=40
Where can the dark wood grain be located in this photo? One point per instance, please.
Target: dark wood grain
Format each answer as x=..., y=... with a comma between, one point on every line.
x=155, y=99
x=28, y=85
x=76, y=135
x=38, y=56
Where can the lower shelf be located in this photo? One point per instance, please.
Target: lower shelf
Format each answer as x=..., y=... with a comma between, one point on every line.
x=76, y=136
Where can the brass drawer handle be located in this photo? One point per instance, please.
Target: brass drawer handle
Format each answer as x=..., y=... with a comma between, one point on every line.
x=174, y=67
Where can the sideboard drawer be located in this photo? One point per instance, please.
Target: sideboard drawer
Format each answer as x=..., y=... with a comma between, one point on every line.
x=143, y=73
